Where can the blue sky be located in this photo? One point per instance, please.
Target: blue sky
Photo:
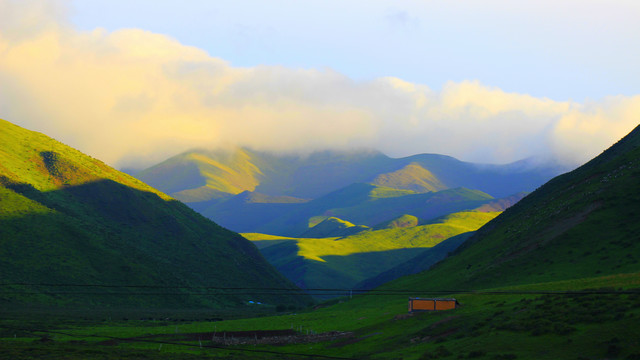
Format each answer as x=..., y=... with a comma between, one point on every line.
x=558, y=49
x=134, y=82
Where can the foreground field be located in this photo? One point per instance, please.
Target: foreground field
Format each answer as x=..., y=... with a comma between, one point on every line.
x=558, y=320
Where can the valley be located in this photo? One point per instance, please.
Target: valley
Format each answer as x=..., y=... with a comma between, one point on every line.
x=542, y=270
x=337, y=219
x=346, y=261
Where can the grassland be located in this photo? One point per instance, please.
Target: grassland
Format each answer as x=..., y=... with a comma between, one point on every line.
x=423, y=236
x=346, y=261
x=515, y=324
x=371, y=205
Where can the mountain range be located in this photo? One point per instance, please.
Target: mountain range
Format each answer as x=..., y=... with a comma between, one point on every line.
x=364, y=201
x=282, y=194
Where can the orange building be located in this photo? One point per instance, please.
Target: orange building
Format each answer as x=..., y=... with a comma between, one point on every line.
x=434, y=304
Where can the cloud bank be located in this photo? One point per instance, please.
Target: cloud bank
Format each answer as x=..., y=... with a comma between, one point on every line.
x=132, y=98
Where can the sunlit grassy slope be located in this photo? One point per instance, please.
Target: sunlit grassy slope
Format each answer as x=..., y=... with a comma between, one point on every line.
x=345, y=261
x=412, y=177
x=200, y=175
x=370, y=205
x=188, y=175
x=333, y=227
x=401, y=221
x=66, y=218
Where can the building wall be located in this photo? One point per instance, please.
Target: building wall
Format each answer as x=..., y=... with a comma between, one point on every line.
x=445, y=305
x=423, y=305
x=431, y=305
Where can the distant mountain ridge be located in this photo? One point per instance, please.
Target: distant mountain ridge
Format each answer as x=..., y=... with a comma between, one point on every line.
x=66, y=218
x=317, y=174
x=222, y=185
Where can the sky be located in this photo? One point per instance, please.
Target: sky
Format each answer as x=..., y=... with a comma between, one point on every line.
x=134, y=82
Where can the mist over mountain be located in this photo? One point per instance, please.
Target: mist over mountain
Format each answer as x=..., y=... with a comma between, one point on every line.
x=252, y=191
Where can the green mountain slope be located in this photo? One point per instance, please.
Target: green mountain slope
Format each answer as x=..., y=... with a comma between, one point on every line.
x=345, y=261
x=411, y=177
x=580, y=224
x=401, y=221
x=333, y=227
x=205, y=173
x=66, y=218
x=370, y=205
x=196, y=176
x=421, y=262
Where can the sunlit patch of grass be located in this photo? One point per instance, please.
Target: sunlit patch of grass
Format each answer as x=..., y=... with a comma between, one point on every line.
x=423, y=236
x=345, y=261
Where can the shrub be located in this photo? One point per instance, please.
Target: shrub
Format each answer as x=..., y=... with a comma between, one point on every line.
x=505, y=357
x=476, y=354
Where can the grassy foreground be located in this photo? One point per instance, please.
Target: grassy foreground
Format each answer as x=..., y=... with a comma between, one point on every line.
x=514, y=324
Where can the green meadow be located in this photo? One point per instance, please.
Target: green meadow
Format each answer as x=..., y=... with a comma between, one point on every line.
x=346, y=261
x=519, y=322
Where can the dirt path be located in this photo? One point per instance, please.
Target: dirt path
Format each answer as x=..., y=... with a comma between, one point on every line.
x=270, y=337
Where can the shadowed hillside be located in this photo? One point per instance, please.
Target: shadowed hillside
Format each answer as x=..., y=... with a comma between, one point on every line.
x=66, y=218
x=370, y=205
x=348, y=259
x=580, y=224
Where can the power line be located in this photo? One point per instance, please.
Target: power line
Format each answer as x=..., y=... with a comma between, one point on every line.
x=147, y=286
x=206, y=290
x=165, y=293
x=343, y=292
x=207, y=346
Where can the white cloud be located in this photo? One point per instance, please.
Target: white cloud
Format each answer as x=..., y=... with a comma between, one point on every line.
x=133, y=94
